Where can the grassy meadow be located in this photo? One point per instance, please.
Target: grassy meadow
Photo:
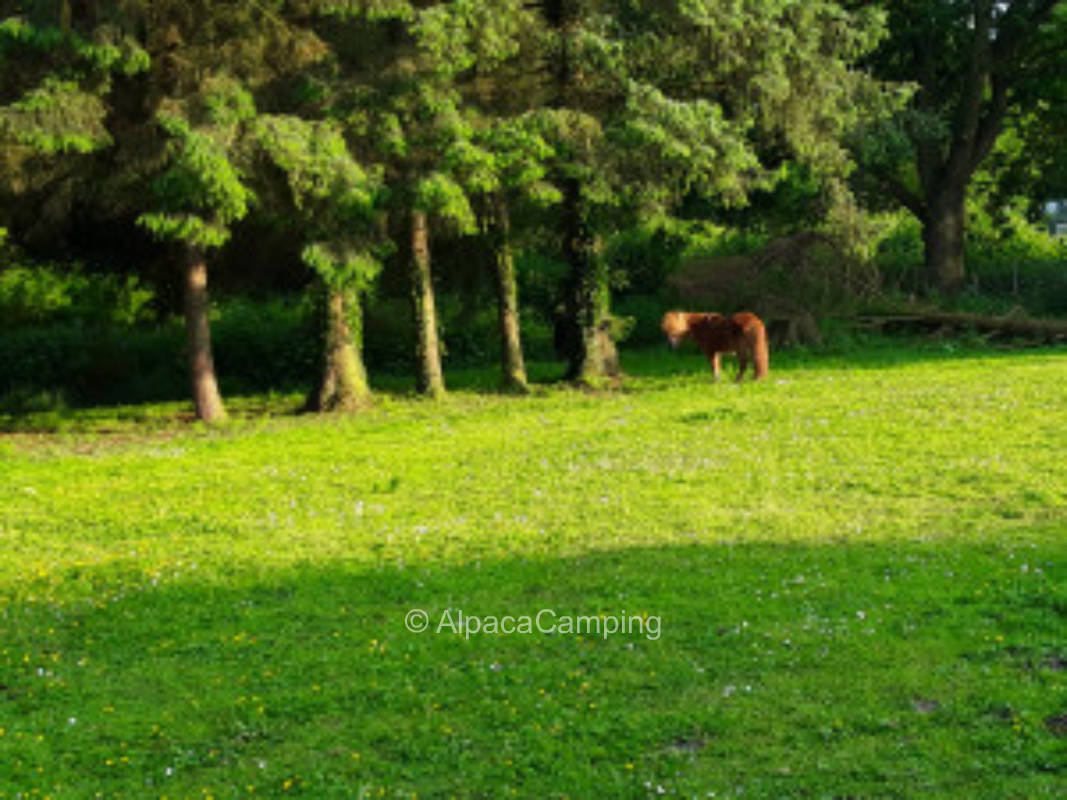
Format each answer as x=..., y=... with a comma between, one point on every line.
x=857, y=570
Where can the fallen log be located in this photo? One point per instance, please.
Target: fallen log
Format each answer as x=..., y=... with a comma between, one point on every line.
x=1051, y=330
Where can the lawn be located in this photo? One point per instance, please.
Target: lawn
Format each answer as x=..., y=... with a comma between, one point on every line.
x=849, y=580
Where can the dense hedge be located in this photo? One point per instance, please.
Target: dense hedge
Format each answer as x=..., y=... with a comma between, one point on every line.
x=77, y=337
x=259, y=346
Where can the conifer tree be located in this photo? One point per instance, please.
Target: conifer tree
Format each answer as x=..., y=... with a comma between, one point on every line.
x=197, y=199
x=178, y=137
x=331, y=200
x=395, y=64
x=646, y=102
x=58, y=63
x=500, y=159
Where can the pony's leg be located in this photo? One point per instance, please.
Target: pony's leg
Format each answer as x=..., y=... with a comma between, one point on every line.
x=742, y=364
x=716, y=365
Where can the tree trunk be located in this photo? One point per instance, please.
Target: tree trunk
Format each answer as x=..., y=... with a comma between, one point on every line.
x=586, y=339
x=513, y=368
x=583, y=325
x=943, y=230
x=429, y=377
x=343, y=386
x=205, y=387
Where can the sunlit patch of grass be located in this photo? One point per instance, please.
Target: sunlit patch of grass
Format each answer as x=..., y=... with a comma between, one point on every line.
x=859, y=568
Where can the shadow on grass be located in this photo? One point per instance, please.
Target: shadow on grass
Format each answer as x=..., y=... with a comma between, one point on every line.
x=881, y=669
x=644, y=368
x=49, y=412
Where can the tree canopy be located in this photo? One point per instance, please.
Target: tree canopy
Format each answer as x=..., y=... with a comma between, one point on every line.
x=974, y=64
x=368, y=131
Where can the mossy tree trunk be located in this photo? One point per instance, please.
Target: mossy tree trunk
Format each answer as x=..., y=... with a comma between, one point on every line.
x=429, y=377
x=583, y=330
x=343, y=385
x=589, y=349
x=513, y=367
x=204, y=384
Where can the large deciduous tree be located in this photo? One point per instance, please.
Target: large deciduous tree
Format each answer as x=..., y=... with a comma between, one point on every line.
x=973, y=62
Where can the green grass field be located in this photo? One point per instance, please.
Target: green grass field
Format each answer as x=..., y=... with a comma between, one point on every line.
x=856, y=573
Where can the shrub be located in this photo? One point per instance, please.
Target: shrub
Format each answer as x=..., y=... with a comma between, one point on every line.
x=257, y=345
x=36, y=294
x=265, y=344
x=91, y=364
x=646, y=256
x=389, y=335
x=1011, y=264
x=899, y=256
x=1018, y=264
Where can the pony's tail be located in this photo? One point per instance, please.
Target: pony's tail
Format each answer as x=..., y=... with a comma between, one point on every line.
x=760, y=357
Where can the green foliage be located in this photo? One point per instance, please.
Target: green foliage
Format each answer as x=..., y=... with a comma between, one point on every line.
x=202, y=192
x=514, y=157
x=89, y=363
x=476, y=165
x=60, y=79
x=1018, y=264
x=706, y=97
x=189, y=228
x=375, y=10
x=18, y=31
x=34, y=294
x=343, y=266
x=645, y=256
x=471, y=34
x=670, y=148
x=56, y=117
x=899, y=255
x=539, y=274
x=331, y=197
x=106, y=49
x=110, y=51
x=440, y=195
x=262, y=345
x=88, y=358
x=642, y=314
x=89, y=354
x=1014, y=264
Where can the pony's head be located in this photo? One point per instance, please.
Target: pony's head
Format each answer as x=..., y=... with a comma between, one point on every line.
x=675, y=326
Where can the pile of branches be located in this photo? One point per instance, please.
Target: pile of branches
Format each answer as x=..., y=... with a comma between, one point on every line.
x=790, y=283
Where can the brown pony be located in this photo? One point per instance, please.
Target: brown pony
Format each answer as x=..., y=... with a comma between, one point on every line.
x=743, y=333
